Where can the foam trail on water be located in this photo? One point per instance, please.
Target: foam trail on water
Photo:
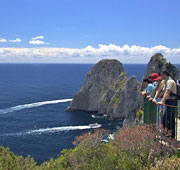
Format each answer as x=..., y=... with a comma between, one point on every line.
x=31, y=105
x=56, y=129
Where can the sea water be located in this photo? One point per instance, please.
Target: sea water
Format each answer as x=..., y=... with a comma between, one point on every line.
x=33, y=102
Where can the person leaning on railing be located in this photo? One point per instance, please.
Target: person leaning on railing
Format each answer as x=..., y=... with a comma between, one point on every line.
x=149, y=87
x=156, y=96
x=158, y=90
x=149, y=108
x=169, y=116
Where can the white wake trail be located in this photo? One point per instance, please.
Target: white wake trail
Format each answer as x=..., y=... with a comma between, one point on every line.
x=31, y=105
x=55, y=129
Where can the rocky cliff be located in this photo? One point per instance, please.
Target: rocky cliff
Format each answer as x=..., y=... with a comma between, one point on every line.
x=122, y=99
x=97, y=82
x=157, y=63
x=108, y=90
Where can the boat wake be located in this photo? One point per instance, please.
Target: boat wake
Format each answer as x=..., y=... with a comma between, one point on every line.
x=31, y=105
x=55, y=129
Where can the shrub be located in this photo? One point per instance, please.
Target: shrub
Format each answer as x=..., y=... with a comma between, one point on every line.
x=144, y=143
x=172, y=163
x=134, y=148
x=91, y=154
x=9, y=161
x=139, y=114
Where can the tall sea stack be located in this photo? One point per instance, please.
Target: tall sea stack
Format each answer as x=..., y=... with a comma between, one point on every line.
x=108, y=90
x=157, y=63
x=97, y=82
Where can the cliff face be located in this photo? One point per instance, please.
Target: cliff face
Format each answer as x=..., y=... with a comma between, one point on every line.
x=157, y=63
x=97, y=81
x=108, y=90
x=122, y=99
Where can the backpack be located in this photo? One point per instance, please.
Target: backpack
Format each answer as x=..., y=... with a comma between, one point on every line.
x=178, y=90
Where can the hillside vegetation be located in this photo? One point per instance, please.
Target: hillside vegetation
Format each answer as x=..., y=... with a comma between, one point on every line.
x=134, y=148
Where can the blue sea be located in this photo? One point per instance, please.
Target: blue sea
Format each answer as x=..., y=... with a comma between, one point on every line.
x=33, y=102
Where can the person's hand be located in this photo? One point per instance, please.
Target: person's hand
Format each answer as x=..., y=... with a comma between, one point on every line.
x=154, y=100
x=143, y=93
x=159, y=103
x=148, y=97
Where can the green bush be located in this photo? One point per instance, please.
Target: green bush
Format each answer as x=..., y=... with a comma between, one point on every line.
x=145, y=143
x=172, y=163
x=133, y=148
x=139, y=114
x=9, y=161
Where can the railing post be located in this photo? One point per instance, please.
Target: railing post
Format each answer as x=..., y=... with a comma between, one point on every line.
x=159, y=112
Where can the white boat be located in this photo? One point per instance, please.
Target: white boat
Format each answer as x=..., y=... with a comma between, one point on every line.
x=95, y=125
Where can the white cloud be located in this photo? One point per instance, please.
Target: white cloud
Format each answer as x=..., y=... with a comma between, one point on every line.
x=89, y=54
x=36, y=41
x=16, y=40
x=3, y=40
x=38, y=37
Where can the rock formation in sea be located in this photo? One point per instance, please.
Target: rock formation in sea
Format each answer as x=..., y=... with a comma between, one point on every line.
x=97, y=82
x=157, y=63
x=122, y=99
x=108, y=90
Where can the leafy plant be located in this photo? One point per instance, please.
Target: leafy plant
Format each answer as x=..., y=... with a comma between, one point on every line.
x=139, y=114
x=139, y=147
x=145, y=143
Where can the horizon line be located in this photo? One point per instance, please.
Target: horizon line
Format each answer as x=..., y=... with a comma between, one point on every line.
x=68, y=63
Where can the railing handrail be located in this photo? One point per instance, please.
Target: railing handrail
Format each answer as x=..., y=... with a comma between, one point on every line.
x=154, y=114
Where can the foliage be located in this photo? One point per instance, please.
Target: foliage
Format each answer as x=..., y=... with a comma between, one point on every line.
x=104, y=103
x=134, y=148
x=116, y=101
x=172, y=163
x=91, y=154
x=9, y=161
x=139, y=114
x=146, y=143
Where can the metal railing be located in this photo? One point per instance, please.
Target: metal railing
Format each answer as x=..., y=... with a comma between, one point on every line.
x=164, y=116
x=150, y=110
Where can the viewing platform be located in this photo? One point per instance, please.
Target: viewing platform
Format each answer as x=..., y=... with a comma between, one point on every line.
x=153, y=115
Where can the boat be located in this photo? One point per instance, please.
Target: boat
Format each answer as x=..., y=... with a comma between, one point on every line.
x=95, y=125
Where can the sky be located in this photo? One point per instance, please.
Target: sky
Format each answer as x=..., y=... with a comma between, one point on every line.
x=86, y=31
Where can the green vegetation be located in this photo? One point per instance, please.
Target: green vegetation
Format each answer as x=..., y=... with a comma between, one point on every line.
x=119, y=83
x=168, y=164
x=139, y=114
x=133, y=148
x=9, y=161
x=116, y=101
x=104, y=103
